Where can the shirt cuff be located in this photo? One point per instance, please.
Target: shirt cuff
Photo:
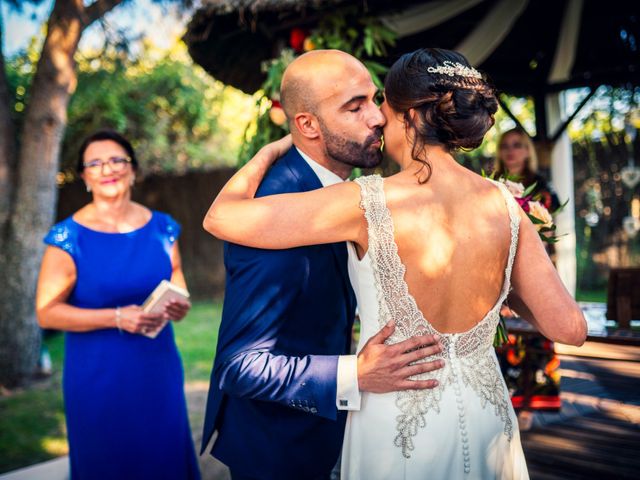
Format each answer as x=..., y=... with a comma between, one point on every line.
x=348, y=393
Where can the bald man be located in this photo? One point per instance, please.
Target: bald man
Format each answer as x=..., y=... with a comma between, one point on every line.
x=283, y=378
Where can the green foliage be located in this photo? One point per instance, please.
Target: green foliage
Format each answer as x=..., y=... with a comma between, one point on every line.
x=175, y=115
x=20, y=70
x=275, y=69
x=169, y=108
x=605, y=114
x=366, y=38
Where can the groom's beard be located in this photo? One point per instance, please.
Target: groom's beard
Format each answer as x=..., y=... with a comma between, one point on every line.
x=350, y=152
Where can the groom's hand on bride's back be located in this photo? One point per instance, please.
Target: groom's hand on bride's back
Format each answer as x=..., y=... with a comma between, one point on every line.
x=386, y=368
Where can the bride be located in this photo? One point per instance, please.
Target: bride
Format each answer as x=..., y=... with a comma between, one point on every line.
x=437, y=249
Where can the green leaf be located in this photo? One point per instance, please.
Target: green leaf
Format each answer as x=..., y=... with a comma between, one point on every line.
x=529, y=189
x=375, y=67
x=535, y=220
x=368, y=45
x=561, y=207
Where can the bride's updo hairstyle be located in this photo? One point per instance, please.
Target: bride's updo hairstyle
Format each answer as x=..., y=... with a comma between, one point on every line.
x=454, y=105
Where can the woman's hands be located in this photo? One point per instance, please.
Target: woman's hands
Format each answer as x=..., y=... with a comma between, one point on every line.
x=134, y=320
x=176, y=310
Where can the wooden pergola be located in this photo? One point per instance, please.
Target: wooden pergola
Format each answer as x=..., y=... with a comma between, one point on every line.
x=532, y=48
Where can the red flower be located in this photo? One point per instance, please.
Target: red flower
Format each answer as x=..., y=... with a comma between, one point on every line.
x=296, y=39
x=545, y=199
x=524, y=203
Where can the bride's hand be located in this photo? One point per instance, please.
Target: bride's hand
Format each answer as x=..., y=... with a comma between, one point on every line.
x=274, y=150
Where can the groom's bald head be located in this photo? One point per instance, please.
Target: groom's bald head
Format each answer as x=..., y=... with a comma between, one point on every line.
x=329, y=99
x=314, y=77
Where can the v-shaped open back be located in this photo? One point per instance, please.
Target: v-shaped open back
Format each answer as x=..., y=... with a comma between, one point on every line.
x=391, y=271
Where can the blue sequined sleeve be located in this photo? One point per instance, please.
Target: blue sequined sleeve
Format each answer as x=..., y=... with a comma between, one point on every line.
x=63, y=236
x=172, y=228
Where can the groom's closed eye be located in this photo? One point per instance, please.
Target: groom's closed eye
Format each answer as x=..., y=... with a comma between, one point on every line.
x=355, y=103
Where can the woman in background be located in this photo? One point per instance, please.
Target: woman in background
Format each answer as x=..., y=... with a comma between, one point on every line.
x=124, y=400
x=517, y=158
x=528, y=362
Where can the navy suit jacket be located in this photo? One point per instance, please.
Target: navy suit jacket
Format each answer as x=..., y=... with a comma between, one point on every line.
x=286, y=317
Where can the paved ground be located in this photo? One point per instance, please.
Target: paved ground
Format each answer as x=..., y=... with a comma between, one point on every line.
x=595, y=436
x=597, y=433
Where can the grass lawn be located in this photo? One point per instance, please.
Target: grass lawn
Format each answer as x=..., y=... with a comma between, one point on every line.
x=592, y=296
x=32, y=427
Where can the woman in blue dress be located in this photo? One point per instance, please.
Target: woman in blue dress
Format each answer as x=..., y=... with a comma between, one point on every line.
x=123, y=391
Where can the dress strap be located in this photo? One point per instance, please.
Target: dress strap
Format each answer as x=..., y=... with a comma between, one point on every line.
x=373, y=202
x=394, y=300
x=514, y=216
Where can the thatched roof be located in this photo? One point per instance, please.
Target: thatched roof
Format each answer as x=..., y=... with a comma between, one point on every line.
x=222, y=7
x=231, y=38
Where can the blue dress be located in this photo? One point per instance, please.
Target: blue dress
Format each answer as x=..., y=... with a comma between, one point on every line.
x=123, y=393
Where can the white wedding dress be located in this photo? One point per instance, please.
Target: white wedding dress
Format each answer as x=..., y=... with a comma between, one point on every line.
x=465, y=428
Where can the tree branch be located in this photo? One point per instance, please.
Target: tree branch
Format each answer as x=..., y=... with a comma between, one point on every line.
x=98, y=9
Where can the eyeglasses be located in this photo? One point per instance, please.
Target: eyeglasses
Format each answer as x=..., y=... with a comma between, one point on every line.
x=509, y=146
x=116, y=164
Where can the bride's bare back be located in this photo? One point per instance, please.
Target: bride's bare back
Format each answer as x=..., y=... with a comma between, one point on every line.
x=453, y=237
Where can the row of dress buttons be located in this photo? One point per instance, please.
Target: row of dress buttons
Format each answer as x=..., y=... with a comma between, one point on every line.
x=462, y=423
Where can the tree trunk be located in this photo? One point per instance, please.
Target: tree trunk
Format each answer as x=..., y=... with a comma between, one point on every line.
x=32, y=205
x=36, y=191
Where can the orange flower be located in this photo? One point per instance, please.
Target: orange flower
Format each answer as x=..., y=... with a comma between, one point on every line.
x=276, y=114
x=308, y=45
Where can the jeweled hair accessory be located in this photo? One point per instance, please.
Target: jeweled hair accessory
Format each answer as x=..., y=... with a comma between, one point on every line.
x=451, y=69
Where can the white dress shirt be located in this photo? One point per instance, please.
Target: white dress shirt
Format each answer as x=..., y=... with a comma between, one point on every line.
x=347, y=392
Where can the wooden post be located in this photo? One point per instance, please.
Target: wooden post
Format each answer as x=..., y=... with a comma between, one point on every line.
x=561, y=163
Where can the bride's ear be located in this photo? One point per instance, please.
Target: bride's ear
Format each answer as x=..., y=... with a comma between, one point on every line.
x=413, y=115
x=307, y=124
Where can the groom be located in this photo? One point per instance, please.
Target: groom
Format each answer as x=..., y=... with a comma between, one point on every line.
x=283, y=378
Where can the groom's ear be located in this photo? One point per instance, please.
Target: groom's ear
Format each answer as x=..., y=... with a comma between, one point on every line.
x=307, y=124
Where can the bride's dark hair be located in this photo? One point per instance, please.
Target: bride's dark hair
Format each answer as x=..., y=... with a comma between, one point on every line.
x=454, y=111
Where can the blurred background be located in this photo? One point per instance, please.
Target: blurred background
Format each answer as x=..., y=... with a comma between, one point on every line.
x=194, y=86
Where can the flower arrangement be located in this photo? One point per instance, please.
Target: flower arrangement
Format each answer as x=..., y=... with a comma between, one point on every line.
x=534, y=206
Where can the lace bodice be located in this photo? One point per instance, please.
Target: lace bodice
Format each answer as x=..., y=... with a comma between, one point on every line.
x=468, y=355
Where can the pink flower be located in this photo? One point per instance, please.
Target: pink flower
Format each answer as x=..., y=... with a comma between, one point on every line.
x=516, y=189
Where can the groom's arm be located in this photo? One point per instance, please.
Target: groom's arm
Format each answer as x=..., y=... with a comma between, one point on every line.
x=265, y=287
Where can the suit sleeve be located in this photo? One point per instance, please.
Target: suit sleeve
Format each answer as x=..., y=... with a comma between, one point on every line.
x=266, y=284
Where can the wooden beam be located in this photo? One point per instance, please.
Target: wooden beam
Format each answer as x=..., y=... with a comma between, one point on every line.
x=563, y=126
x=540, y=109
x=511, y=114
